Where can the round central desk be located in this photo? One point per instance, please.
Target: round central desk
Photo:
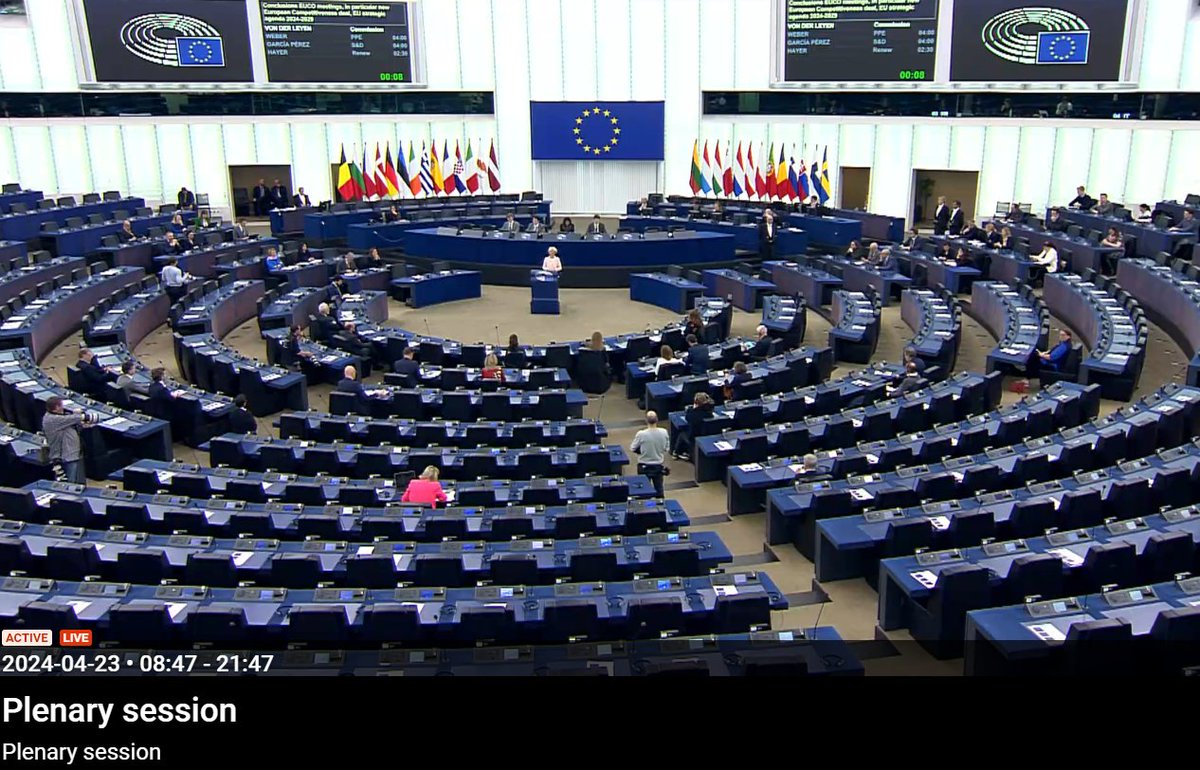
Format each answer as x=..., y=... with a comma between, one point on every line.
x=604, y=261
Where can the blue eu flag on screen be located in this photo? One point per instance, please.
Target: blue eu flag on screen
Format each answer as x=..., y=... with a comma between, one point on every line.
x=200, y=51
x=596, y=130
x=1063, y=47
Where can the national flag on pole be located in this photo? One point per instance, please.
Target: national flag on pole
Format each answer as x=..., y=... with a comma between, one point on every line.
x=793, y=180
x=727, y=173
x=825, y=191
x=368, y=177
x=754, y=180
x=448, y=185
x=345, y=182
x=380, y=172
x=770, y=173
x=414, y=182
x=739, y=172
x=459, y=169
x=717, y=170
x=815, y=177
x=435, y=168
x=426, y=177
x=493, y=168
x=471, y=171
x=783, y=188
x=802, y=180
x=696, y=175
x=360, y=185
x=705, y=171
x=389, y=173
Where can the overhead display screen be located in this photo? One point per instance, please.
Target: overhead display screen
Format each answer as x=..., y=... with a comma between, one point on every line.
x=859, y=40
x=353, y=41
x=184, y=41
x=1065, y=40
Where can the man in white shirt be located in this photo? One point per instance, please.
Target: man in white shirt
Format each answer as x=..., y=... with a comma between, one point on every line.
x=552, y=264
x=651, y=444
x=174, y=280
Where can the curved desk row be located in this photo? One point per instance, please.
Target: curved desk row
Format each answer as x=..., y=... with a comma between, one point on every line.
x=833, y=231
x=1080, y=253
x=214, y=261
x=786, y=319
x=802, y=280
x=1061, y=405
x=322, y=364
x=1115, y=333
x=118, y=437
x=236, y=484
x=936, y=321
x=18, y=280
x=1010, y=266
x=130, y=319
x=1016, y=318
x=951, y=400
x=930, y=270
x=90, y=238
x=336, y=225
x=221, y=310
x=304, y=512
x=725, y=603
x=424, y=289
x=721, y=356
x=141, y=252
x=788, y=241
x=1150, y=239
x=743, y=290
x=855, y=331
x=23, y=455
x=28, y=225
x=323, y=426
x=670, y=292
x=21, y=199
x=426, y=403
x=48, y=320
x=294, y=308
x=1171, y=300
x=217, y=368
x=858, y=275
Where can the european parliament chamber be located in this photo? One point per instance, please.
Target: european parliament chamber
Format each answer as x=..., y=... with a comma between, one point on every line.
x=575, y=353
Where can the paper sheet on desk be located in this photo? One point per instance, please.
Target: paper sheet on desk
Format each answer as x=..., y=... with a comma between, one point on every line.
x=925, y=578
x=724, y=446
x=241, y=557
x=725, y=590
x=1069, y=557
x=861, y=495
x=79, y=605
x=1047, y=632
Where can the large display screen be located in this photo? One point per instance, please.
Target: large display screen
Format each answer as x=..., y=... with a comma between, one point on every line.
x=354, y=41
x=1063, y=40
x=152, y=41
x=859, y=40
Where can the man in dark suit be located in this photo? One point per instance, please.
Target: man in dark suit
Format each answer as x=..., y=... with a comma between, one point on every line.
x=910, y=383
x=957, y=218
x=1015, y=215
x=349, y=340
x=260, y=196
x=768, y=231
x=941, y=217
x=407, y=368
x=971, y=232
x=596, y=227
x=762, y=345
x=392, y=215
x=94, y=375
x=279, y=195
x=301, y=200
x=240, y=419
x=510, y=225
x=350, y=384
x=126, y=233
x=186, y=198
x=1056, y=223
x=323, y=326
x=697, y=356
x=810, y=470
x=159, y=393
x=1187, y=224
x=536, y=227
x=1082, y=200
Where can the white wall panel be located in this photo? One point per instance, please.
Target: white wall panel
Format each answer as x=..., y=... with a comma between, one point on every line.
x=475, y=45
x=1149, y=151
x=1189, y=70
x=931, y=146
x=443, y=56
x=891, y=178
x=966, y=147
x=511, y=42
x=1031, y=163
x=8, y=158
x=1110, y=162
x=997, y=179
x=210, y=171
x=856, y=145
x=1072, y=163
x=176, y=159
x=593, y=187
x=1163, y=43
x=35, y=157
x=580, y=52
x=16, y=72
x=682, y=95
x=240, y=147
x=140, y=143
x=1182, y=178
x=647, y=52
x=545, y=75
x=272, y=143
x=717, y=55
x=106, y=153
x=615, y=20
x=52, y=44
x=311, y=159
x=68, y=142
x=752, y=53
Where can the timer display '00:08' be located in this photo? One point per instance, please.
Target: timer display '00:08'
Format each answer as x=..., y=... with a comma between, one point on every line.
x=913, y=75
x=391, y=77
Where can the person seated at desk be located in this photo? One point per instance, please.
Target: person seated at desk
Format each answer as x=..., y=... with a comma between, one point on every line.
x=301, y=200
x=1144, y=215
x=159, y=393
x=1052, y=359
x=350, y=384
x=909, y=383
x=1113, y=239
x=510, y=224
x=348, y=263
x=698, y=357
x=374, y=258
x=239, y=231
x=810, y=470
x=392, y=215
x=304, y=253
x=666, y=357
x=338, y=289
x=551, y=263
x=174, y=280
x=1047, y=258
x=1015, y=215
x=941, y=216
x=694, y=324
x=185, y=198
x=855, y=252
x=125, y=380
x=240, y=419
x=177, y=225
x=872, y=255
x=964, y=258
x=910, y=239
x=126, y=233
x=718, y=212
x=407, y=368
x=349, y=340
x=1189, y=224
x=990, y=235
x=737, y=377
x=596, y=227
x=492, y=369
x=887, y=262
x=189, y=241
x=945, y=253
x=644, y=208
x=814, y=207
x=1082, y=200
x=171, y=245
x=566, y=226
x=694, y=418
x=762, y=344
x=292, y=345
x=972, y=233
x=323, y=326
x=957, y=219
x=911, y=357
x=536, y=227
x=1057, y=223
x=425, y=490
x=514, y=354
x=1006, y=241
x=1104, y=207
x=272, y=260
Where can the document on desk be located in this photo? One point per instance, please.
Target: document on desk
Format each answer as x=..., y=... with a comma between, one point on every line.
x=1047, y=632
x=861, y=495
x=925, y=577
x=1068, y=557
x=723, y=446
x=241, y=557
x=750, y=467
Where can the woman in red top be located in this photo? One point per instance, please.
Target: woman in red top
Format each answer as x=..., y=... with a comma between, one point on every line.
x=425, y=490
x=491, y=368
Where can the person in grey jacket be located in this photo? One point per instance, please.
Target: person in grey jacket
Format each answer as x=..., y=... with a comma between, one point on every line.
x=62, y=438
x=651, y=444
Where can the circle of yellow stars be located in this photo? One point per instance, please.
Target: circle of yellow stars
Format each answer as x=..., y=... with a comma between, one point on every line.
x=597, y=113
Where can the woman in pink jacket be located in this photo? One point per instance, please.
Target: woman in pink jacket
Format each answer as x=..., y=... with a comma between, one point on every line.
x=425, y=490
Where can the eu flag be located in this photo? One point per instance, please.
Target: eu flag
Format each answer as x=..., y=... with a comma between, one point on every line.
x=200, y=51
x=596, y=130
x=1063, y=47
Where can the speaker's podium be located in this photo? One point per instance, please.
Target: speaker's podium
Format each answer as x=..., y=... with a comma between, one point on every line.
x=544, y=290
